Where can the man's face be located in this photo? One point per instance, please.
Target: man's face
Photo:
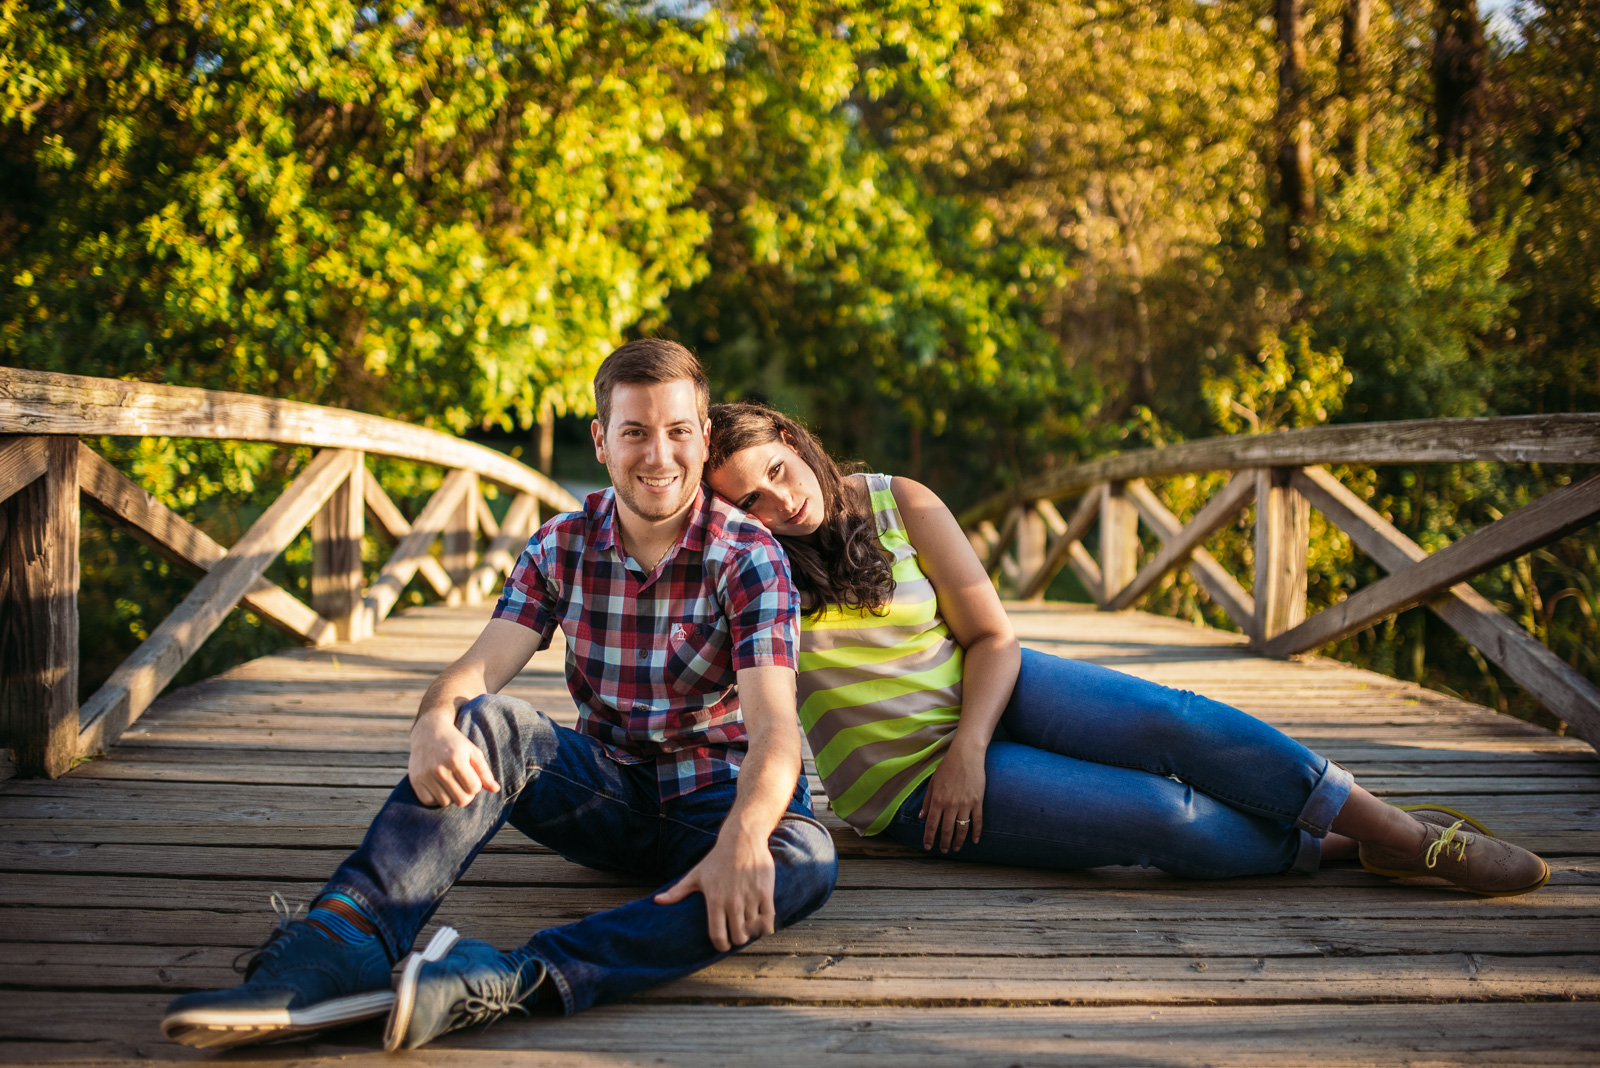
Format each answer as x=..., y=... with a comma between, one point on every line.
x=654, y=447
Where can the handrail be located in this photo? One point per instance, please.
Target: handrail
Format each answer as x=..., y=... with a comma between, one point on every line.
x=1281, y=475
x=44, y=402
x=1517, y=439
x=45, y=470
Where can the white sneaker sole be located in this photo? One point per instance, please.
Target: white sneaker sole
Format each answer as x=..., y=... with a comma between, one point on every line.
x=223, y=1028
x=405, y=993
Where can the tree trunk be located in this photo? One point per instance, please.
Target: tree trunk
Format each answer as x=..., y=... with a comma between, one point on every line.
x=1458, y=63
x=1295, y=187
x=1354, y=86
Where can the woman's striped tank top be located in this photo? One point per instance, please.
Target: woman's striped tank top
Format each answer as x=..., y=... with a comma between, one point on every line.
x=880, y=696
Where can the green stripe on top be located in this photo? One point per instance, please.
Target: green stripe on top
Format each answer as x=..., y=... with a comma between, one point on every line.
x=880, y=696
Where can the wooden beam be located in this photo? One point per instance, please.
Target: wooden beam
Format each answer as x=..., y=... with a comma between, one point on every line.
x=120, y=501
x=43, y=402
x=1002, y=542
x=336, y=578
x=1212, y=576
x=1283, y=534
x=1551, y=680
x=39, y=614
x=1518, y=439
x=486, y=520
x=22, y=459
x=460, y=554
x=1119, y=540
x=1063, y=553
x=385, y=591
x=383, y=509
x=1179, y=544
x=1552, y=516
x=982, y=538
x=1031, y=550
x=522, y=519
x=141, y=677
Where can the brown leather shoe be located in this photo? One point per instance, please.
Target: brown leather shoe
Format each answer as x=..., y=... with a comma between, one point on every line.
x=1477, y=862
x=1444, y=816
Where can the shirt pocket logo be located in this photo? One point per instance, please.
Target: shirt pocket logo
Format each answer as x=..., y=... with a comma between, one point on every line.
x=698, y=658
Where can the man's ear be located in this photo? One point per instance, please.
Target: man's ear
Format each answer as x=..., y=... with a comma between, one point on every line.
x=598, y=432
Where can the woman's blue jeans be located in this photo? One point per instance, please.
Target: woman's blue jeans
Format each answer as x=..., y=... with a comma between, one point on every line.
x=1091, y=767
x=560, y=789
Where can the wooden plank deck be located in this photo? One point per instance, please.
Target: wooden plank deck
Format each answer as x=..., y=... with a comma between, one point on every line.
x=143, y=874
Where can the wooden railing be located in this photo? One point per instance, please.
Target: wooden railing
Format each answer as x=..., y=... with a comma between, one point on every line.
x=45, y=469
x=1282, y=474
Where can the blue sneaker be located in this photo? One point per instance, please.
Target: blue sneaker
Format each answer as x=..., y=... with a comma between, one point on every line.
x=457, y=982
x=298, y=981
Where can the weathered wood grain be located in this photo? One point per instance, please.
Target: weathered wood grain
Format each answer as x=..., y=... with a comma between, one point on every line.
x=395, y=524
x=1068, y=549
x=1535, y=668
x=43, y=402
x=120, y=501
x=131, y=688
x=384, y=593
x=22, y=459
x=1179, y=544
x=1283, y=534
x=1119, y=539
x=1213, y=578
x=336, y=578
x=39, y=613
x=1556, y=439
x=1557, y=513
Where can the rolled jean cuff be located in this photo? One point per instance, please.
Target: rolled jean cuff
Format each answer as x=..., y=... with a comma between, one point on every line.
x=1327, y=798
x=1309, y=861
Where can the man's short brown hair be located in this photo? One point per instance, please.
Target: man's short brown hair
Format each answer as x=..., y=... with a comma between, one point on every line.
x=649, y=359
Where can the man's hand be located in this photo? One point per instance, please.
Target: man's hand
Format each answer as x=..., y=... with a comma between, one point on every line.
x=737, y=879
x=445, y=767
x=953, y=804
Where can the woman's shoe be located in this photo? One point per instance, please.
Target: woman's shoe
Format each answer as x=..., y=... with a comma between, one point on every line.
x=1473, y=858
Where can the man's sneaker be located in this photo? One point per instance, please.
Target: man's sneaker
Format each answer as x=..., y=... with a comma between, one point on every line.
x=1473, y=859
x=298, y=981
x=457, y=982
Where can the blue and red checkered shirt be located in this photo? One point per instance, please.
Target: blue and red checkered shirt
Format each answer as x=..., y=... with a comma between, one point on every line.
x=651, y=658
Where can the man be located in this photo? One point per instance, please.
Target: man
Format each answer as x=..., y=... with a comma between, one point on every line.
x=668, y=598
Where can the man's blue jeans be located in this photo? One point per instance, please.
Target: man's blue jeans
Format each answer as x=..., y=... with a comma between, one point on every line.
x=560, y=789
x=1091, y=767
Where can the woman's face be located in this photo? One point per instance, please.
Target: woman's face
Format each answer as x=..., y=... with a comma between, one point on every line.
x=775, y=485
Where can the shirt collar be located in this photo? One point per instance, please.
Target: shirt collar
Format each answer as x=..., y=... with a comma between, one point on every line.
x=602, y=506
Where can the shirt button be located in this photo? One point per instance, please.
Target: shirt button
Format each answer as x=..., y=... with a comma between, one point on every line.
x=644, y=654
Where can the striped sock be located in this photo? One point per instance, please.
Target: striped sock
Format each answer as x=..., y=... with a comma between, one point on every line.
x=339, y=918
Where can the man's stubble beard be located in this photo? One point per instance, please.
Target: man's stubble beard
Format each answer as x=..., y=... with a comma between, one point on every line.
x=654, y=509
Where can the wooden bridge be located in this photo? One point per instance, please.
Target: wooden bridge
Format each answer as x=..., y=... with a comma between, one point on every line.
x=142, y=873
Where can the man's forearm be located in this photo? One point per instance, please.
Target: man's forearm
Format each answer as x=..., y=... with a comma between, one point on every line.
x=454, y=686
x=766, y=783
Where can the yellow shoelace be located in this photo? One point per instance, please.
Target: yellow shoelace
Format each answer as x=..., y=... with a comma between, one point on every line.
x=1445, y=840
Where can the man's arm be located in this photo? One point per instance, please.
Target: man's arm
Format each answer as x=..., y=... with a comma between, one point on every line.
x=445, y=767
x=737, y=876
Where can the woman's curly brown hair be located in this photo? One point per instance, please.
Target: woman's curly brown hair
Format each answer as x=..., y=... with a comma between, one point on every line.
x=844, y=564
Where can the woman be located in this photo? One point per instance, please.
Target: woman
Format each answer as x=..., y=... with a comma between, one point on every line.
x=931, y=725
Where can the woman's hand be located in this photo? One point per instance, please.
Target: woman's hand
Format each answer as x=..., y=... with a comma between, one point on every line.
x=953, y=805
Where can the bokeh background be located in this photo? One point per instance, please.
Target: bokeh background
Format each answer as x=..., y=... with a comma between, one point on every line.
x=965, y=240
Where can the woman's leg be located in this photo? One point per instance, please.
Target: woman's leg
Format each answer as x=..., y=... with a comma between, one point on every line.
x=1106, y=717
x=1046, y=810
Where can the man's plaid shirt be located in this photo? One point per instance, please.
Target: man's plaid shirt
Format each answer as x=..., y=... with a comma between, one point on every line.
x=651, y=658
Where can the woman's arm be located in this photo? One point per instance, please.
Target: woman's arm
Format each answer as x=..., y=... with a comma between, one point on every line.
x=979, y=624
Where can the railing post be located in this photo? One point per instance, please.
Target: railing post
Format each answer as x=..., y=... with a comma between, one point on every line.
x=460, y=544
x=39, y=615
x=336, y=577
x=1030, y=550
x=1283, y=532
x=1119, y=541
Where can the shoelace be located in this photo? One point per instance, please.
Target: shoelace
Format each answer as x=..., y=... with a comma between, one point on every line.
x=264, y=953
x=485, y=1006
x=1446, y=839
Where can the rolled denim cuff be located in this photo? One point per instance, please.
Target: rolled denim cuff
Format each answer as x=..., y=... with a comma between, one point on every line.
x=1309, y=861
x=1327, y=798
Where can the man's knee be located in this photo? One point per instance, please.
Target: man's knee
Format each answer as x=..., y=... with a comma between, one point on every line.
x=514, y=736
x=807, y=867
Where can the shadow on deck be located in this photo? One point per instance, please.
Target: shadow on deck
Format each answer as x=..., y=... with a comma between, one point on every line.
x=143, y=874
